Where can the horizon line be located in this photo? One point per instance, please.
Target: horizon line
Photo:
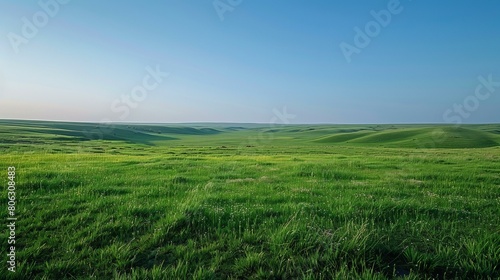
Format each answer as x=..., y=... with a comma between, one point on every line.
x=252, y=123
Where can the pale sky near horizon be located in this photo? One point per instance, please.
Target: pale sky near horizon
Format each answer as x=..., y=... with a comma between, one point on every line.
x=243, y=60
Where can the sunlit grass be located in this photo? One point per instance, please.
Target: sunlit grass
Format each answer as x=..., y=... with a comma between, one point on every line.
x=267, y=212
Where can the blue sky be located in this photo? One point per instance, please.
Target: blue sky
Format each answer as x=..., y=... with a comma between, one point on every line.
x=240, y=62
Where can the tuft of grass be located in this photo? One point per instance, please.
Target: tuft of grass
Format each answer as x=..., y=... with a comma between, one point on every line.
x=180, y=180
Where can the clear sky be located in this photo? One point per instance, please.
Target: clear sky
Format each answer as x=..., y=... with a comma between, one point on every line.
x=237, y=60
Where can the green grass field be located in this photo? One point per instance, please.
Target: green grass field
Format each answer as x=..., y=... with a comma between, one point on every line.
x=241, y=201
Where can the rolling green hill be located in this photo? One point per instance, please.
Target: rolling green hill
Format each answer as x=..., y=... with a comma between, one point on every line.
x=431, y=137
x=19, y=131
x=390, y=136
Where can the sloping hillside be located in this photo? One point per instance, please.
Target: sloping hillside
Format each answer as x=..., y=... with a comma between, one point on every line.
x=430, y=137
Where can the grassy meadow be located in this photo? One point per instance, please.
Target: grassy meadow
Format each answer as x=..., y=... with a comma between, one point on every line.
x=242, y=201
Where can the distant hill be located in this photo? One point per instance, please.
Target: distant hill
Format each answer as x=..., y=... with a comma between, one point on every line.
x=20, y=131
x=213, y=134
x=430, y=137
